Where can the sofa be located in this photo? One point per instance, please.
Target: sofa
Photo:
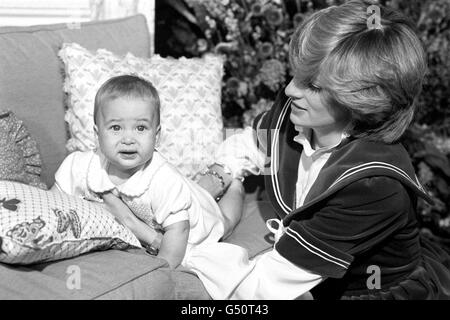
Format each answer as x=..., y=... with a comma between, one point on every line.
x=31, y=86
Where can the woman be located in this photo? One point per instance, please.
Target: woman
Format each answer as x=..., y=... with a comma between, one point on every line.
x=342, y=186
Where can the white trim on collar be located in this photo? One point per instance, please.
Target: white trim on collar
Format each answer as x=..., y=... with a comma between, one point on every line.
x=97, y=176
x=99, y=181
x=274, y=167
x=377, y=165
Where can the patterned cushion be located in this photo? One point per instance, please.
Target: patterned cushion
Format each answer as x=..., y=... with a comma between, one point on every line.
x=19, y=155
x=190, y=92
x=38, y=225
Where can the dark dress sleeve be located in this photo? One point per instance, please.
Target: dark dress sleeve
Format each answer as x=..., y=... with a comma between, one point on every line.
x=355, y=219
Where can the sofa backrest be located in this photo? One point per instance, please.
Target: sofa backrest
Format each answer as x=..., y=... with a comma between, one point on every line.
x=31, y=74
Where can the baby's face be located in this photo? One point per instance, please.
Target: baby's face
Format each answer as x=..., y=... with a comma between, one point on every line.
x=127, y=131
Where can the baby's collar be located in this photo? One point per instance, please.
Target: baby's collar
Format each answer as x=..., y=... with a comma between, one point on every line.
x=99, y=182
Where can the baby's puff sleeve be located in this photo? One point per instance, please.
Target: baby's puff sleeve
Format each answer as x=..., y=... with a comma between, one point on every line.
x=70, y=177
x=171, y=198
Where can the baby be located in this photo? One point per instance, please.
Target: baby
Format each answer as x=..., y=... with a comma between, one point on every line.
x=138, y=186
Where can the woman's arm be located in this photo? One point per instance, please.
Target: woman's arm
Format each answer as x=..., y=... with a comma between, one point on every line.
x=125, y=216
x=231, y=205
x=237, y=157
x=173, y=244
x=227, y=273
x=359, y=216
x=275, y=277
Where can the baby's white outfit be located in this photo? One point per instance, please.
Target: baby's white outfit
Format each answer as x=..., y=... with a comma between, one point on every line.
x=157, y=194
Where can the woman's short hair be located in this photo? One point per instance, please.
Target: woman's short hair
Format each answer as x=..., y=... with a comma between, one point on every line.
x=374, y=73
x=127, y=86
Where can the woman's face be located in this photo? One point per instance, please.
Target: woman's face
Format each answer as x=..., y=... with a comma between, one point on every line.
x=309, y=111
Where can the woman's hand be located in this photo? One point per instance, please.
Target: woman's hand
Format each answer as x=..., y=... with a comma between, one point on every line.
x=214, y=184
x=211, y=184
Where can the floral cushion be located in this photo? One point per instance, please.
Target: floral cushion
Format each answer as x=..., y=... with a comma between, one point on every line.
x=38, y=225
x=190, y=92
x=19, y=155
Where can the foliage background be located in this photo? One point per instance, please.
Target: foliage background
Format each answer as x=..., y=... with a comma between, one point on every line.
x=253, y=35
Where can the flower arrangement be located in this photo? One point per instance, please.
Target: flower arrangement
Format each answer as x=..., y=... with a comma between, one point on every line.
x=254, y=37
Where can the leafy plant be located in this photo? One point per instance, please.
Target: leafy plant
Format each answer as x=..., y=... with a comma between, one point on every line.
x=432, y=166
x=433, y=28
x=254, y=36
